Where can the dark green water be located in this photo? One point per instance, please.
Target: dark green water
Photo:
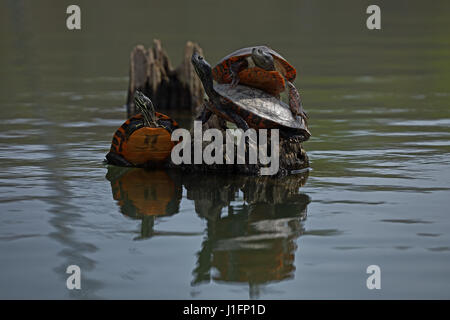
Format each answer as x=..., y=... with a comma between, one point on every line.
x=378, y=192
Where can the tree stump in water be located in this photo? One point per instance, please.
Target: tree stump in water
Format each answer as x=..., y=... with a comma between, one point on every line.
x=152, y=73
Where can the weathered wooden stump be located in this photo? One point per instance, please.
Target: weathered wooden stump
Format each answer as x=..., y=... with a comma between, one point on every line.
x=169, y=88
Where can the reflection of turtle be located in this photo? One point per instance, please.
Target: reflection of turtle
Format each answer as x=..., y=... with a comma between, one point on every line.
x=245, y=106
x=144, y=138
x=141, y=192
x=271, y=73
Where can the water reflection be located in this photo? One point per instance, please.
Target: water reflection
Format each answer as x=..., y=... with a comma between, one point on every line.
x=255, y=242
x=252, y=223
x=379, y=107
x=145, y=194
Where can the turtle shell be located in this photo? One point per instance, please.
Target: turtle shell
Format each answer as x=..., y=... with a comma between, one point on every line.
x=261, y=109
x=139, y=144
x=221, y=72
x=270, y=81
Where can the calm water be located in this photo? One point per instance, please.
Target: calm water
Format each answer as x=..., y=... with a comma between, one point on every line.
x=378, y=192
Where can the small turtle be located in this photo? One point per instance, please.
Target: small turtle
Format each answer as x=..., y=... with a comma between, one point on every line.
x=143, y=138
x=264, y=59
x=271, y=73
x=228, y=68
x=246, y=106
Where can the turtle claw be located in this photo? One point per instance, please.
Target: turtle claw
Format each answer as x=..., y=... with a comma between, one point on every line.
x=234, y=81
x=303, y=117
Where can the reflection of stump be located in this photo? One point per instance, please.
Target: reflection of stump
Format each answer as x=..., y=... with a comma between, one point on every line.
x=213, y=193
x=168, y=88
x=256, y=241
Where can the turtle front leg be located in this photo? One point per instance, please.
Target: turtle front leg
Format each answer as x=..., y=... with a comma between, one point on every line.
x=117, y=160
x=238, y=120
x=295, y=102
x=235, y=68
x=205, y=114
x=223, y=109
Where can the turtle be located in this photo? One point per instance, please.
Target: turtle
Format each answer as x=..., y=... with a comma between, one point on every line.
x=228, y=68
x=246, y=106
x=144, y=138
x=271, y=72
x=264, y=59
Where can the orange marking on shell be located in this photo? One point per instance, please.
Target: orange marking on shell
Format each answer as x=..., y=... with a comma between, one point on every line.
x=144, y=144
x=270, y=81
x=147, y=144
x=221, y=73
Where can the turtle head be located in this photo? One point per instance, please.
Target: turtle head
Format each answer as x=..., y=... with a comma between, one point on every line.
x=203, y=70
x=262, y=58
x=145, y=106
x=141, y=100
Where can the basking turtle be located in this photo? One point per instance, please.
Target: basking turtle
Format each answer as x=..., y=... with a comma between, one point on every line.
x=245, y=106
x=271, y=73
x=144, y=138
x=228, y=68
x=264, y=59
